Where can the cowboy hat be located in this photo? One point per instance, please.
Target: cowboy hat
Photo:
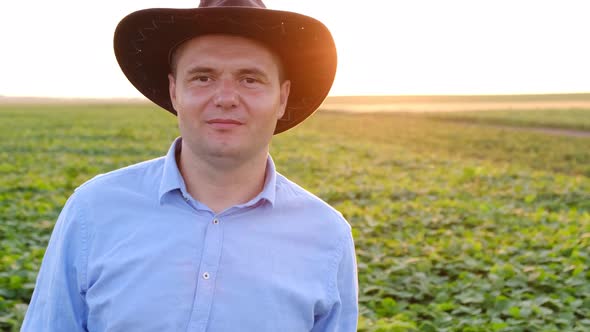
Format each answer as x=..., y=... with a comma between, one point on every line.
x=144, y=41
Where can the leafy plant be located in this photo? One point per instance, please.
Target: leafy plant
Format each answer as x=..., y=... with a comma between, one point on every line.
x=457, y=227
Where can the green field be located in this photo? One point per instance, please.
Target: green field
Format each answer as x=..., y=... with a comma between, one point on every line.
x=458, y=227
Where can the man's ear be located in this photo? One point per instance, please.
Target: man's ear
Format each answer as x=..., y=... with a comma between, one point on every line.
x=284, y=98
x=172, y=90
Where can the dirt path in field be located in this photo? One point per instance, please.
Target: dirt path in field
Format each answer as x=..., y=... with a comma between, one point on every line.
x=544, y=130
x=554, y=131
x=432, y=108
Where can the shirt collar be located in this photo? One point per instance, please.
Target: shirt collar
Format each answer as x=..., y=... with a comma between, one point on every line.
x=269, y=189
x=172, y=179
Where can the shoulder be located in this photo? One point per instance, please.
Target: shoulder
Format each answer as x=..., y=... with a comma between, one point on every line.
x=137, y=177
x=293, y=196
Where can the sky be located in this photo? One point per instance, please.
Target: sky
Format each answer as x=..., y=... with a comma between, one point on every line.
x=63, y=48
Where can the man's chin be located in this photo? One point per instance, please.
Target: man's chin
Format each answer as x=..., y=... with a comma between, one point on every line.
x=227, y=150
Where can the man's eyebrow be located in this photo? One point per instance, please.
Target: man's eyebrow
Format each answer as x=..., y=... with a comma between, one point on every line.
x=244, y=71
x=200, y=70
x=253, y=71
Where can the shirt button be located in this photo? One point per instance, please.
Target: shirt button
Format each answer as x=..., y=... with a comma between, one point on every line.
x=215, y=221
x=206, y=275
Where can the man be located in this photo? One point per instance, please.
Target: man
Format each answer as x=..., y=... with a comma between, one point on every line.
x=209, y=237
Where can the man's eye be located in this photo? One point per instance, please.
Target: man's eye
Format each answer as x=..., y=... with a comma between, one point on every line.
x=250, y=80
x=201, y=79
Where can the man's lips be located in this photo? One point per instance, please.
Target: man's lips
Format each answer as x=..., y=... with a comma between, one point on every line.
x=224, y=123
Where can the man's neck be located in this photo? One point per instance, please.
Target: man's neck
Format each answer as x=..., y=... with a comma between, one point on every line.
x=222, y=184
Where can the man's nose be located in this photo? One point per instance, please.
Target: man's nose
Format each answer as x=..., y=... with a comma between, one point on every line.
x=226, y=96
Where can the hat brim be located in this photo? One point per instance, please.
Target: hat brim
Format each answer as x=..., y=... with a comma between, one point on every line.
x=144, y=39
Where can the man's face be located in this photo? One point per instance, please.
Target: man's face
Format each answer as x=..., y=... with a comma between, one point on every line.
x=228, y=96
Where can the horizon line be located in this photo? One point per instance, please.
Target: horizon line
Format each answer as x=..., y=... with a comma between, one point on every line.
x=142, y=98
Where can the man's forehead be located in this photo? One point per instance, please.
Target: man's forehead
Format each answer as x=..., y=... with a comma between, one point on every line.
x=215, y=49
x=220, y=44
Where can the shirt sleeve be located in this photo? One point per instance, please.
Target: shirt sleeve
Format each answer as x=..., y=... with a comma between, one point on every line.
x=58, y=302
x=343, y=316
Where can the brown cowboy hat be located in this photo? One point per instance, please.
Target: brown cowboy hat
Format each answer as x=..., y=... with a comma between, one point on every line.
x=145, y=39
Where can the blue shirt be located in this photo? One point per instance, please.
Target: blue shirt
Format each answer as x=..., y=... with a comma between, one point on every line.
x=133, y=251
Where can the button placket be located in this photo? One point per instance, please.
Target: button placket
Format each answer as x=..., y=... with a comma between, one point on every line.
x=210, y=259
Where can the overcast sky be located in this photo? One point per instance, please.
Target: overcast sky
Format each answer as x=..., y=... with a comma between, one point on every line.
x=63, y=48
